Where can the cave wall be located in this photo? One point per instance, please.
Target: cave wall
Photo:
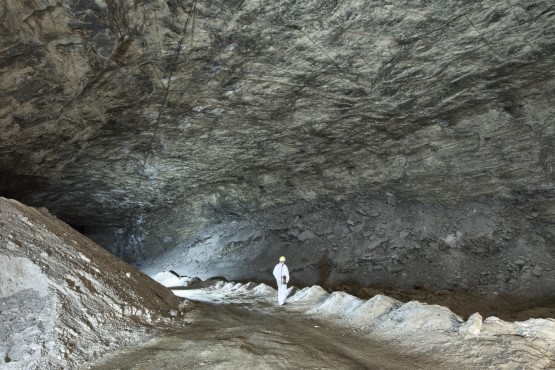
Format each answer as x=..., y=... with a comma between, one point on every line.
x=382, y=241
x=156, y=126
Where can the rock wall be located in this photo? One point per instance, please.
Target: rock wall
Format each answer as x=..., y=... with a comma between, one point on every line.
x=481, y=246
x=147, y=124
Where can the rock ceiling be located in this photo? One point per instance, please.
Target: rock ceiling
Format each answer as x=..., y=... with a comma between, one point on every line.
x=113, y=110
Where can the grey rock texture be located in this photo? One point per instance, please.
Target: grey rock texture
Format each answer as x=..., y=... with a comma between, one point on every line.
x=147, y=124
x=482, y=247
x=65, y=300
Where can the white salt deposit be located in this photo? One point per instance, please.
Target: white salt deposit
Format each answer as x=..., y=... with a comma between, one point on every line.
x=533, y=328
x=20, y=273
x=171, y=280
x=229, y=286
x=263, y=289
x=418, y=317
x=313, y=294
x=219, y=285
x=494, y=326
x=537, y=328
x=298, y=295
x=236, y=286
x=291, y=291
x=247, y=287
x=372, y=309
x=472, y=327
x=338, y=303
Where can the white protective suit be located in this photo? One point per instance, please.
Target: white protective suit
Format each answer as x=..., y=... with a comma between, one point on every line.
x=279, y=271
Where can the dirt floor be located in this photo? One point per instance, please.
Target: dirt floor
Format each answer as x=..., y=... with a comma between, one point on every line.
x=231, y=336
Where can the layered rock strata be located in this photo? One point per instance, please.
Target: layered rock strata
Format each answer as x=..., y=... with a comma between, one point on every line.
x=148, y=123
x=481, y=247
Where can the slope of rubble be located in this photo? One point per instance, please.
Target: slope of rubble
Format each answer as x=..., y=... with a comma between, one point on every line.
x=64, y=299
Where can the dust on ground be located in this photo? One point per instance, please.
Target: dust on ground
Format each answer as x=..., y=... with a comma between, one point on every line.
x=232, y=336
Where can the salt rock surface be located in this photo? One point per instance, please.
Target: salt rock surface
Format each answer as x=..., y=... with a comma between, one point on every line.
x=372, y=309
x=247, y=287
x=15, y=273
x=537, y=328
x=417, y=317
x=543, y=329
x=231, y=286
x=168, y=279
x=65, y=300
x=494, y=326
x=338, y=303
x=263, y=289
x=218, y=285
x=314, y=293
x=472, y=326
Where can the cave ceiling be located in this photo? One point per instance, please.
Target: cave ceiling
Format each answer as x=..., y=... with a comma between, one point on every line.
x=111, y=110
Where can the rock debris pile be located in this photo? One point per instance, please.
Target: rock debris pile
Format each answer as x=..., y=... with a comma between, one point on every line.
x=64, y=299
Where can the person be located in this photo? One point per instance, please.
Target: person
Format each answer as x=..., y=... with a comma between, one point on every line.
x=281, y=273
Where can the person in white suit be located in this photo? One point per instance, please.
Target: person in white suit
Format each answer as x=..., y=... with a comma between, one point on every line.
x=281, y=273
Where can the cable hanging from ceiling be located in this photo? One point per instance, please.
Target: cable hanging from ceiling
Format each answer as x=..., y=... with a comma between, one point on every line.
x=135, y=205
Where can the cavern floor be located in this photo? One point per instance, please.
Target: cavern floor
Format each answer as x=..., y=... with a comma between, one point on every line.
x=244, y=336
x=238, y=326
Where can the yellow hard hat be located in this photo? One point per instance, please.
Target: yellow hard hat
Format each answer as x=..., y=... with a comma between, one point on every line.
x=282, y=259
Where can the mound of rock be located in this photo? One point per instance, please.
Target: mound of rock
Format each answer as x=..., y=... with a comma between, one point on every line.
x=418, y=317
x=64, y=299
x=338, y=303
x=263, y=289
x=313, y=294
x=372, y=309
